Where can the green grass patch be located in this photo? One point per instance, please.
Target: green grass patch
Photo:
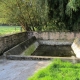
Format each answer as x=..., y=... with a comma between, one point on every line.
x=58, y=70
x=4, y=30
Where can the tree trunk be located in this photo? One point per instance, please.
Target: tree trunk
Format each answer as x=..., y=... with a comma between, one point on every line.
x=25, y=27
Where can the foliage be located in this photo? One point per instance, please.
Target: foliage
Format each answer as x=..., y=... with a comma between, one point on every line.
x=58, y=70
x=73, y=10
x=24, y=12
x=41, y=15
x=62, y=12
x=74, y=4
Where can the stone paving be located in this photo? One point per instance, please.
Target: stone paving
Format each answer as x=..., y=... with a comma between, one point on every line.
x=19, y=70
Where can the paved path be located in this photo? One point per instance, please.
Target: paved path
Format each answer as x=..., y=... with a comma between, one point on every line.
x=19, y=70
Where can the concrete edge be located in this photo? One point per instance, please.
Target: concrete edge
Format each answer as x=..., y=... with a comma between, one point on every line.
x=18, y=57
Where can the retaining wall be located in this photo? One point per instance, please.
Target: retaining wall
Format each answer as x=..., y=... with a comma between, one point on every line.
x=7, y=42
x=18, y=49
x=55, y=35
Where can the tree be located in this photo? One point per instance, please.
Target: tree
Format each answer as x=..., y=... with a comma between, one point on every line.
x=65, y=14
x=41, y=14
x=73, y=10
x=27, y=13
x=57, y=13
x=74, y=4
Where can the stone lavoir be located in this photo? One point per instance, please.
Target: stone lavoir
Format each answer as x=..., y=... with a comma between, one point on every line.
x=34, y=49
x=39, y=45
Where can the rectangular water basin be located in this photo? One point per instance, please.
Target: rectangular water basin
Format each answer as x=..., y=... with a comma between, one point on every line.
x=49, y=48
x=33, y=48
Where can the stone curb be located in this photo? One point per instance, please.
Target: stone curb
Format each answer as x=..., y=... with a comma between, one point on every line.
x=16, y=57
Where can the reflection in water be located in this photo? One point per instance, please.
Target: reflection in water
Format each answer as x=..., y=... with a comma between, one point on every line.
x=56, y=51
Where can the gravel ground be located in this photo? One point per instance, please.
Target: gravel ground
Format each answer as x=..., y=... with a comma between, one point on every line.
x=19, y=70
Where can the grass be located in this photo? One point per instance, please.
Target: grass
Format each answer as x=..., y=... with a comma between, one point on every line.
x=4, y=30
x=58, y=70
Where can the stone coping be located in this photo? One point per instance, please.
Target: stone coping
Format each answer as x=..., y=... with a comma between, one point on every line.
x=19, y=57
x=54, y=42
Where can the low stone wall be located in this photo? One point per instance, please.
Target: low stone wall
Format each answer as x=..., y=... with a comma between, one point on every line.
x=7, y=42
x=18, y=49
x=55, y=35
x=76, y=47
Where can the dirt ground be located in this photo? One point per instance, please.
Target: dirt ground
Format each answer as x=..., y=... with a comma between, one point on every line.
x=19, y=70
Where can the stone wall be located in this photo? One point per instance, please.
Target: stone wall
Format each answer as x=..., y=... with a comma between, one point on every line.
x=22, y=48
x=55, y=35
x=76, y=47
x=7, y=42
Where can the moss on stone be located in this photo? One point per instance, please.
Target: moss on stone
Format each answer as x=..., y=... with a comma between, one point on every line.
x=31, y=49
